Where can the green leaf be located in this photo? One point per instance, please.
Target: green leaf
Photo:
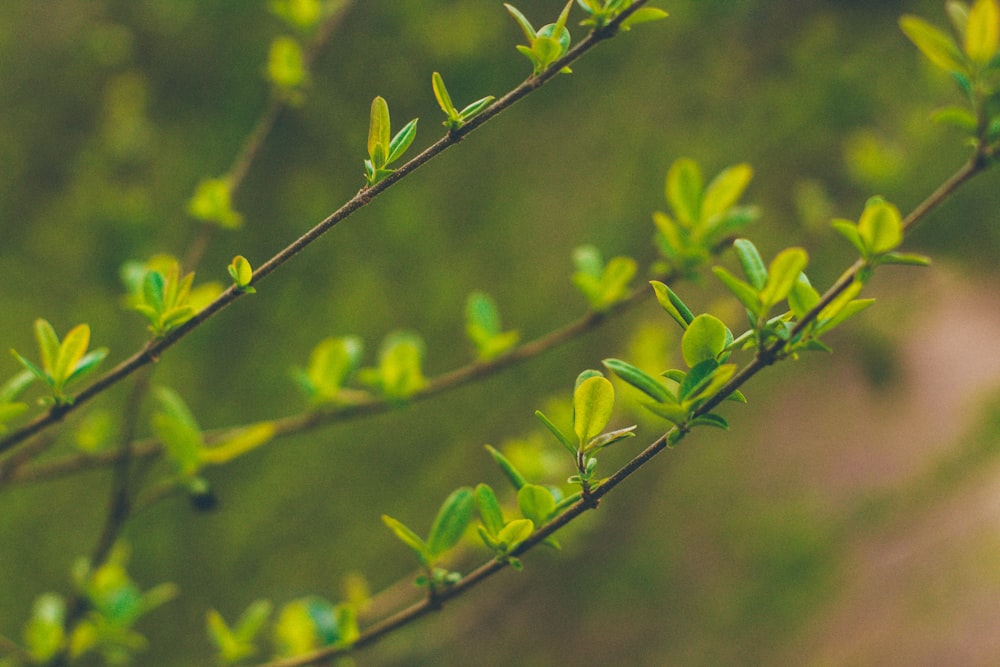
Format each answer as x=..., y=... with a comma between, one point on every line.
x=286, y=63
x=177, y=428
x=44, y=634
x=536, y=503
x=610, y=438
x=958, y=117
x=849, y=230
x=489, y=509
x=48, y=345
x=378, y=132
x=409, y=538
x=481, y=317
x=643, y=15
x=400, y=365
x=711, y=419
x=743, y=291
x=751, y=263
x=529, y=32
x=71, y=351
x=982, y=31
x=32, y=368
x=87, y=364
x=402, y=141
x=241, y=273
x=699, y=376
x=683, y=190
x=724, y=190
x=451, y=521
x=508, y=469
x=639, y=379
x=782, y=273
x=593, y=402
x=442, y=96
x=475, y=108
x=905, y=258
x=515, y=532
x=672, y=303
x=554, y=430
x=705, y=338
x=880, y=227
x=672, y=412
x=803, y=297
x=212, y=202
x=14, y=387
x=935, y=44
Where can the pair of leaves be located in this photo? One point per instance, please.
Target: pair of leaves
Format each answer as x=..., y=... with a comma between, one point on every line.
x=978, y=28
x=455, y=118
x=159, y=292
x=702, y=216
x=484, y=329
x=499, y=535
x=62, y=362
x=449, y=525
x=182, y=438
x=383, y=151
x=764, y=287
x=593, y=403
x=235, y=644
x=242, y=274
x=212, y=202
x=602, y=13
x=332, y=364
x=877, y=234
x=310, y=623
x=399, y=373
x=546, y=45
x=602, y=284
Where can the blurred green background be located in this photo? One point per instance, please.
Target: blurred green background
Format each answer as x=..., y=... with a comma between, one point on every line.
x=852, y=515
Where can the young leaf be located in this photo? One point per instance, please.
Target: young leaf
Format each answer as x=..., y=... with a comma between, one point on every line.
x=743, y=291
x=751, y=262
x=522, y=21
x=880, y=227
x=378, y=132
x=176, y=427
x=724, y=191
x=401, y=141
x=672, y=303
x=409, y=538
x=48, y=344
x=802, y=297
x=536, y=503
x=489, y=509
x=593, y=402
x=515, y=532
x=782, y=273
x=442, y=96
x=451, y=521
x=71, y=351
x=705, y=338
x=508, y=469
x=238, y=443
x=242, y=274
x=849, y=230
x=935, y=44
x=982, y=31
x=643, y=15
x=684, y=190
x=554, y=430
x=639, y=379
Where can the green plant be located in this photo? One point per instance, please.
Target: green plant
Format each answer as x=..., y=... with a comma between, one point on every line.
x=785, y=316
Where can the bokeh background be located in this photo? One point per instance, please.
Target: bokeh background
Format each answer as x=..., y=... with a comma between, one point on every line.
x=851, y=516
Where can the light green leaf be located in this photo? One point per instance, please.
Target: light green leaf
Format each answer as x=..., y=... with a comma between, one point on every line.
x=409, y=538
x=237, y=443
x=515, y=532
x=554, y=430
x=87, y=364
x=489, y=509
x=451, y=521
x=705, y=338
x=982, y=31
x=71, y=351
x=935, y=44
x=672, y=412
x=683, y=190
x=48, y=344
x=639, y=379
x=442, y=96
x=286, y=63
x=400, y=365
x=751, y=262
x=724, y=190
x=849, y=230
x=672, y=303
x=529, y=32
x=803, y=297
x=378, y=132
x=782, y=273
x=593, y=402
x=880, y=227
x=643, y=15
x=508, y=469
x=743, y=291
x=177, y=428
x=536, y=503
x=401, y=141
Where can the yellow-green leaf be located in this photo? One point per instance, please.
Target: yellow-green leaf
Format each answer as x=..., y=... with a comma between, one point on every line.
x=935, y=44
x=982, y=31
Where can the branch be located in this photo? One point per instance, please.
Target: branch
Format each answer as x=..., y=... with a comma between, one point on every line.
x=430, y=604
x=155, y=348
